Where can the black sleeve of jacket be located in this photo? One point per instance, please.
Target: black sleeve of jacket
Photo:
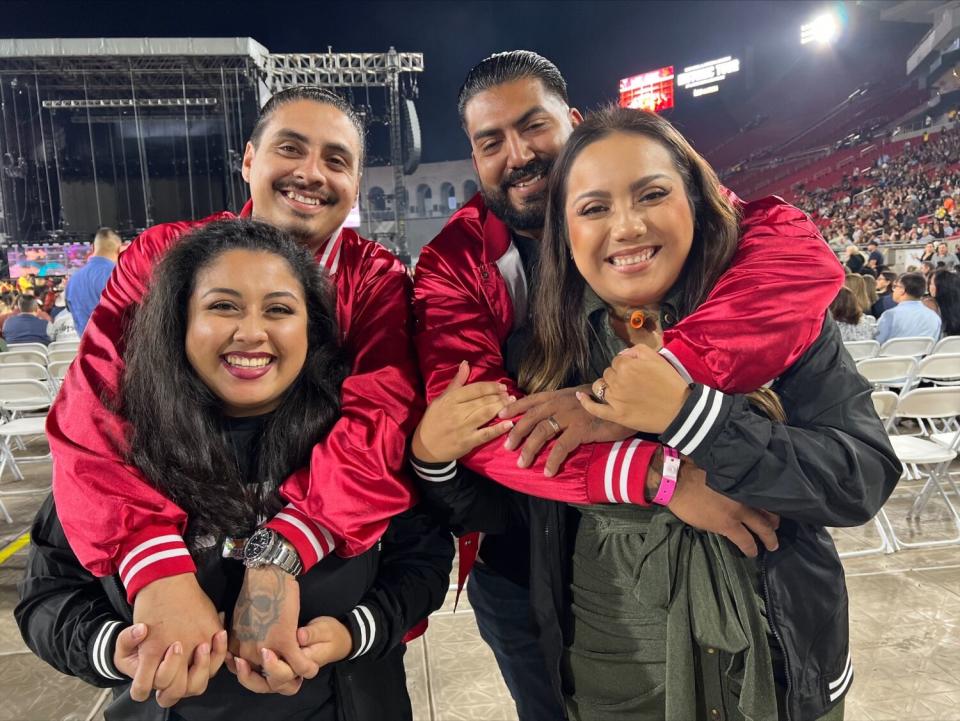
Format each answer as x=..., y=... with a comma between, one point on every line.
x=467, y=502
x=831, y=464
x=64, y=613
x=412, y=580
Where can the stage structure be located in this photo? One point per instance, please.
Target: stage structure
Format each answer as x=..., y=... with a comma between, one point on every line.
x=128, y=132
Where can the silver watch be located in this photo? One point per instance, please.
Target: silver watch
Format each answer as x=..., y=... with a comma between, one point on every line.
x=266, y=547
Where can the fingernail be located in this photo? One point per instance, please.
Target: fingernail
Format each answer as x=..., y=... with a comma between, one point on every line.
x=502, y=387
x=177, y=649
x=579, y=395
x=264, y=654
x=204, y=649
x=548, y=473
x=139, y=630
x=512, y=399
x=508, y=444
x=509, y=424
x=302, y=636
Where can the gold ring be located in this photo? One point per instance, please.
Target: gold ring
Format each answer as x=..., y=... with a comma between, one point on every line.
x=553, y=424
x=599, y=389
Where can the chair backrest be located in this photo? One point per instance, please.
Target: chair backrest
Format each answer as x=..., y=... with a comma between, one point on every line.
x=891, y=371
x=885, y=403
x=20, y=371
x=58, y=370
x=36, y=347
x=860, y=349
x=950, y=344
x=930, y=403
x=943, y=368
x=66, y=344
x=915, y=346
x=19, y=395
x=22, y=356
x=67, y=354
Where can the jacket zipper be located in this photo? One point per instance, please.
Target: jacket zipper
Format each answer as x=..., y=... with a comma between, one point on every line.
x=776, y=634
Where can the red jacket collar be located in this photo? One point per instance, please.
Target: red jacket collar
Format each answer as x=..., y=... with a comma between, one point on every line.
x=494, y=234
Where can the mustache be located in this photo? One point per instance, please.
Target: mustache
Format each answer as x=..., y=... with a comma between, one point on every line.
x=326, y=195
x=535, y=167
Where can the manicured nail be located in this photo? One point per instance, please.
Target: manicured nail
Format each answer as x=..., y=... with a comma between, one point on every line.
x=265, y=655
x=177, y=649
x=138, y=631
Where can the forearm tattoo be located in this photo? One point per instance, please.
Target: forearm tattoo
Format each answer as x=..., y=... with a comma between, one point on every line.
x=258, y=608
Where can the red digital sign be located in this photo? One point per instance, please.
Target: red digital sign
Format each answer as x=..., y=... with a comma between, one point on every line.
x=648, y=91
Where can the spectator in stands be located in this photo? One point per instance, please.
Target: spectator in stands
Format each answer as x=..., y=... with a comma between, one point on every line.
x=944, y=298
x=870, y=286
x=884, y=293
x=944, y=256
x=858, y=287
x=26, y=326
x=62, y=326
x=910, y=317
x=926, y=268
x=86, y=285
x=851, y=321
x=875, y=256
x=855, y=261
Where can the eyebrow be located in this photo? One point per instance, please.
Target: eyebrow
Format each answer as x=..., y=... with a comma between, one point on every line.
x=634, y=186
x=236, y=294
x=488, y=132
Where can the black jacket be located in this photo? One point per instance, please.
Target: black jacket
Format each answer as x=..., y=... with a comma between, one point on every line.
x=71, y=619
x=831, y=465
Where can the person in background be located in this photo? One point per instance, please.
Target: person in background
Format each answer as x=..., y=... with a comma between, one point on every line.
x=86, y=285
x=855, y=261
x=875, y=255
x=62, y=327
x=884, y=293
x=27, y=326
x=858, y=286
x=910, y=318
x=851, y=321
x=944, y=298
x=944, y=256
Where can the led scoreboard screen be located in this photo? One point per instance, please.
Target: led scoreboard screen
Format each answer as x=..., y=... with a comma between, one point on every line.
x=648, y=91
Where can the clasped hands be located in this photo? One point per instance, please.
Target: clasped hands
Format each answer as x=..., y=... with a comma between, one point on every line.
x=178, y=643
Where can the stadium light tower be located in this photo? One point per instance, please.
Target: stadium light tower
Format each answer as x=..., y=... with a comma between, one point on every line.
x=822, y=30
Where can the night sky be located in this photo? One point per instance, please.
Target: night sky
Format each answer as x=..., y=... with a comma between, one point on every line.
x=593, y=43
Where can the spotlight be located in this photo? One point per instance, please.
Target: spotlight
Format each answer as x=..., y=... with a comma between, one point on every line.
x=822, y=30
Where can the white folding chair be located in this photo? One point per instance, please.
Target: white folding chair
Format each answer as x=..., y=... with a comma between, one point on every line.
x=884, y=373
x=925, y=458
x=885, y=404
x=941, y=369
x=67, y=354
x=24, y=396
x=21, y=371
x=65, y=344
x=950, y=344
x=22, y=356
x=58, y=371
x=37, y=347
x=18, y=430
x=860, y=349
x=917, y=346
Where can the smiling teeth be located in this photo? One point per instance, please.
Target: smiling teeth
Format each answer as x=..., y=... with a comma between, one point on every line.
x=242, y=362
x=302, y=198
x=525, y=183
x=641, y=257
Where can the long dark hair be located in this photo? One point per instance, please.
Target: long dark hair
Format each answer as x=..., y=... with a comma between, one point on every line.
x=176, y=437
x=845, y=308
x=559, y=354
x=948, y=300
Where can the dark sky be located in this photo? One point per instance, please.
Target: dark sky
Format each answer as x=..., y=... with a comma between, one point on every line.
x=593, y=43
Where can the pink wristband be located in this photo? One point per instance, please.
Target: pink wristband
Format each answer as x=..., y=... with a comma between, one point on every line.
x=668, y=480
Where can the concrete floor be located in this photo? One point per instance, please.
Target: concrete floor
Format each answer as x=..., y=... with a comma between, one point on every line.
x=905, y=620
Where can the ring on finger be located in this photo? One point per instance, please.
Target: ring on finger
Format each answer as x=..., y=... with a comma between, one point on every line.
x=553, y=424
x=599, y=389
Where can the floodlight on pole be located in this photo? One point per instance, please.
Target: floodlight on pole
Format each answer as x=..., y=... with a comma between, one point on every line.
x=821, y=30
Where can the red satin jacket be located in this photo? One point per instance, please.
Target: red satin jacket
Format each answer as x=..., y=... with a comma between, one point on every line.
x=117, y=522
x=470, y=292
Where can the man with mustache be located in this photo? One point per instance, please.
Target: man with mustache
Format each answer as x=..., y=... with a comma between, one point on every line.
x=471, y=292
x=303, y=165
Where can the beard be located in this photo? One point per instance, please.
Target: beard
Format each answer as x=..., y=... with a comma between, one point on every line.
x=532, y=214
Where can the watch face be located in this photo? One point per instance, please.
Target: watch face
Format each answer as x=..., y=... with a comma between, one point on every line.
x=257, y=544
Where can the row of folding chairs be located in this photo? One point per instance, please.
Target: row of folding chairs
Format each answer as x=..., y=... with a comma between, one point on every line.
x=917, y=347
x=905, y=372
x=24, y=403
x=37, y=353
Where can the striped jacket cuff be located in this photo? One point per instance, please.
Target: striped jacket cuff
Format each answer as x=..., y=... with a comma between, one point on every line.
x=618, y=472
x=153, y=558
x=698, y=421
x=434, y=472
x=363, y=629
x=312, y=541
x=102, y=650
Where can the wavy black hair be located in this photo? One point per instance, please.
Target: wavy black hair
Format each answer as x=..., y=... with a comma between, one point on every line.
x=176, y=434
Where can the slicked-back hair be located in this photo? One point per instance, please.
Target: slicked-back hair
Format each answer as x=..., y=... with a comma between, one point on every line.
x=176, y=432
x=506, y=67
x=316, y=95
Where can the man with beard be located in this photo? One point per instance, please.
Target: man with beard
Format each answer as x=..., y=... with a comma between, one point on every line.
x=471, y=292
x=303, y=164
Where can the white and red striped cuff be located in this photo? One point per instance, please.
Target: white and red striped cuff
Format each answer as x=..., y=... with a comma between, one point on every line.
x=152, y=559
x=618, y=473
x=312, y=541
